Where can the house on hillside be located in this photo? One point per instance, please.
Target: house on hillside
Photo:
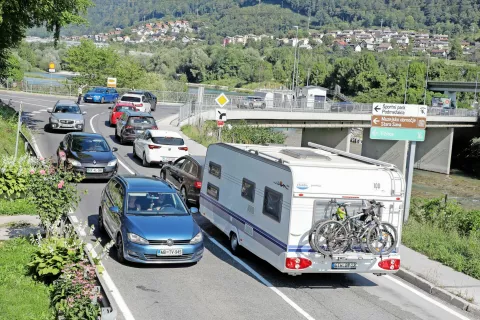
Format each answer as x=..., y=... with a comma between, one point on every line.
x=439, y=53
x=356, y=47
x=382, y=47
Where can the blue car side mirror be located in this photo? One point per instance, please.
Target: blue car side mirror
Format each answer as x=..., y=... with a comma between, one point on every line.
x=193, y=210
x=115, y=209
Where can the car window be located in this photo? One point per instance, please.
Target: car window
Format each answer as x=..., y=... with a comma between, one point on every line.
x=139, y=120
x=144, y=98
x=155, y=203
x=67, y=109
x=179, y=162
x=66, y=141
x=147, y=135
x=116, y=194
x=89, y=144
x=124, y=108
x=99, y=90
x=168, y=141
x=194, y=169
x=131, y=99
x=187, y=165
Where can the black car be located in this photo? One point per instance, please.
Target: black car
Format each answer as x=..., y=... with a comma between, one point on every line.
x=89, y=154
x=186, y=175
x=150, y=96
x=132, y=124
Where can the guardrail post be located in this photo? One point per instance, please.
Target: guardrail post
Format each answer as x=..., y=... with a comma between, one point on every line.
x=19, y=126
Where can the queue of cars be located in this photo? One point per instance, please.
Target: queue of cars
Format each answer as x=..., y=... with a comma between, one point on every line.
x=147, y=217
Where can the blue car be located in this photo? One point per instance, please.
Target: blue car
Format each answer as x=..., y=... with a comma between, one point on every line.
x=101, y=95
x=149, y=221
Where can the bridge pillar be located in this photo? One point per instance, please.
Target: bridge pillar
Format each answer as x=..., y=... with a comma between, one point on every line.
x=452, y=95
x=435, y=153
x=338, y=138
x=394, y=152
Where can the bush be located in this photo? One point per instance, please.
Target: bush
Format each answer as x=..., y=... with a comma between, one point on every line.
x=17, y=206
x=53, y=191
x=238, y=133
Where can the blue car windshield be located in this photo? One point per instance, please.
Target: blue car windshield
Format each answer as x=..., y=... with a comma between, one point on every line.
x=99, y=90
x=67, y=109
x=155, y=203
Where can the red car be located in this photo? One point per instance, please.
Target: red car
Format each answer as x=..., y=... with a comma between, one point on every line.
x=118, y=110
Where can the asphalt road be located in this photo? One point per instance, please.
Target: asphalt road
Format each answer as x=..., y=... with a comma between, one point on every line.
x=219, y=287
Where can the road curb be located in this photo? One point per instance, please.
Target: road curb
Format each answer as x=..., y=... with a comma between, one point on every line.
x=438, y=292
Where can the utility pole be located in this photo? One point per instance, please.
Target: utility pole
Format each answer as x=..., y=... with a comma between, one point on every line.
x=308, y=77
x=426, y=81
x=406, y=83
x=381, y=25
x=476, y=85
x=295, y=59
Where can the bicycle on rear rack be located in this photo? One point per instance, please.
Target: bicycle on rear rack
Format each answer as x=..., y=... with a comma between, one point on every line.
x=365, y=230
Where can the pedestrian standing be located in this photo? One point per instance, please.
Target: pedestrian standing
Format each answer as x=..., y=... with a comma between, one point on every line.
x=80, y=93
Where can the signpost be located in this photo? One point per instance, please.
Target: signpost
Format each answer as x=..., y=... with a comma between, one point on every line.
x=221, y=114
x=400, y=122
x=111, y=82
x=51, y=69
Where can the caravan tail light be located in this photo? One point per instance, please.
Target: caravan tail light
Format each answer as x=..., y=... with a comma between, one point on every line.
x=390, y=264
x=198, y=185
x=183, y=148
x=297, y=263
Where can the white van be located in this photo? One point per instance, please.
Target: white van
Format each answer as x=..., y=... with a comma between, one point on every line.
x=267, y=198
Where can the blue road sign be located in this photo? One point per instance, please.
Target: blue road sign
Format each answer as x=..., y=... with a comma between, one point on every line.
x=397, y=134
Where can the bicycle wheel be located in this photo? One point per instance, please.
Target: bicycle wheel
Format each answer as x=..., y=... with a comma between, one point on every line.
x=382, y=239
x=331, y=237
x=311, y=235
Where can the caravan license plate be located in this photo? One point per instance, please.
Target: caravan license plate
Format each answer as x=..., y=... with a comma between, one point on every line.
x=170, y=252
x=344, y=265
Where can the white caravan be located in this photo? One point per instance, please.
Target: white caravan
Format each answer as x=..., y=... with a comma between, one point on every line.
x=266, y=199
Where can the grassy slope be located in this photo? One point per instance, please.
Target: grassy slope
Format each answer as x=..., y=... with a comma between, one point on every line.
x=21, y=297
x=8, y=128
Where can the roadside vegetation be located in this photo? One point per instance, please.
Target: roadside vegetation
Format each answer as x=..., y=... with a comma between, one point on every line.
x=238, y=133
x=445, y=232
x=23, y=298
x=8, y=128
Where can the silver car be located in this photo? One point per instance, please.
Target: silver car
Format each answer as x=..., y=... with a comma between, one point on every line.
x=252, y=102
x=66, y=115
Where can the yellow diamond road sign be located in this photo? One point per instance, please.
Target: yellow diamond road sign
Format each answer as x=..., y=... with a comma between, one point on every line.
x=222, y=100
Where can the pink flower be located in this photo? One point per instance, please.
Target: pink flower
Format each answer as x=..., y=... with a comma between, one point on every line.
x=42, y=158
x=42, y=172
x=60, y=184
x=32, y=171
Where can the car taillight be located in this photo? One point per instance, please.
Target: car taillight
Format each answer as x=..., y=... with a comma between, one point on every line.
x=140, y=104
x=128, y=127
x=183, y=148
x=297, y=263
x=390, y=264
x=154, y=128
x=152, y=146
x=198, y=184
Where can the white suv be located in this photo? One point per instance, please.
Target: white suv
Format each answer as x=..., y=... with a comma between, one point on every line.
x=159, y=146
x=140, y=101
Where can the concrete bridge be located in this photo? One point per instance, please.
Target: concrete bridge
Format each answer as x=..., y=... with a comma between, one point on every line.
x=330, y=124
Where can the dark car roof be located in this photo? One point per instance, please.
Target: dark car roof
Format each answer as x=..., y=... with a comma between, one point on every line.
x=138, y=114
x=66, y=103
x=86, y=134
x=145, y=184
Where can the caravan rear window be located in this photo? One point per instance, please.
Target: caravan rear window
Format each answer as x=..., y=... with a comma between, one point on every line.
x=248, y=190
x=215, y=169
x=272, y=204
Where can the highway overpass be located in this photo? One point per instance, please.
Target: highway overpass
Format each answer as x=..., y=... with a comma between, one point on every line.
x=330, y=123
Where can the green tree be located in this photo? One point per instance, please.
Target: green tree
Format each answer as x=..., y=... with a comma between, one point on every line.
x=14, y=68
x=16, y=16
x=456, y=50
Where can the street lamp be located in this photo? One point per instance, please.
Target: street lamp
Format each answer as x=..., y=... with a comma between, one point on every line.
x=426, y=81
x=406, y=83
x=295, y=60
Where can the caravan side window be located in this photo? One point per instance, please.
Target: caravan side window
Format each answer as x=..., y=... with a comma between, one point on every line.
x=213, y=191
x=215, y=169
x=248, y=190
x=272, y=204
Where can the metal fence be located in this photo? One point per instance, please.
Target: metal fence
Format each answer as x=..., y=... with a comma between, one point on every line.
x=193, y=109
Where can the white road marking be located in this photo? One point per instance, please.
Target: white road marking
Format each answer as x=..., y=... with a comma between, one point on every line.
x=36, y=112
x=119, y=161
x=27, y=98
x=74, y=219
x=426, y=297
x=261, y=279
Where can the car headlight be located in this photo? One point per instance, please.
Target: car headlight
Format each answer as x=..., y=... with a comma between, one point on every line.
x=53, y=120
x=197, y=239
x=135, y=238
x=112, y=163
x=79, y=121
x=74, y=162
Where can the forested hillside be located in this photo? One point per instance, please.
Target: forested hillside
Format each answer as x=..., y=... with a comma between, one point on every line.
x=229, y=17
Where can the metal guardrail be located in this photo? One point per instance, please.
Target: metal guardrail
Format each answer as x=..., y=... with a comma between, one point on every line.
x=193, y=109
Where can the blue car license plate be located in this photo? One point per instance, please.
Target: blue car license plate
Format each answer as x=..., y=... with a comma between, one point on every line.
x=169, y=252
x=344, y=265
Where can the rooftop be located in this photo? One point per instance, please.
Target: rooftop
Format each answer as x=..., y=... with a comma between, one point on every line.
x=146, y=184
